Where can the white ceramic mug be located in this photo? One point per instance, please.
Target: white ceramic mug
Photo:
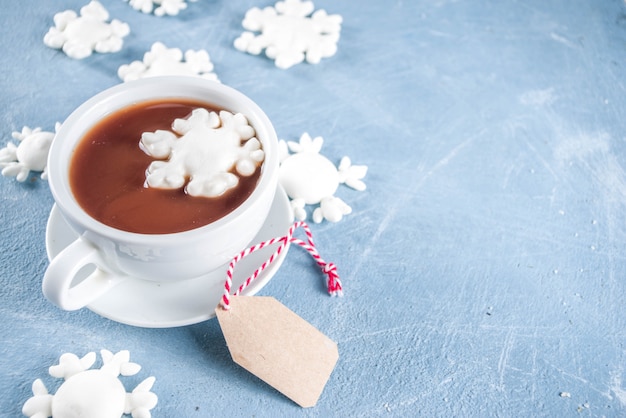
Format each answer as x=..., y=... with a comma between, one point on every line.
x=113, y=255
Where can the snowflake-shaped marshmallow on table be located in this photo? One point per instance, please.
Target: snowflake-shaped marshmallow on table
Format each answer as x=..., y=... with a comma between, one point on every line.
x=309, y=178
x=164, y=7
x=161, y=60
x=94, y=393
x=79, y=36
x=288, y=34
x=210, y=147
x=30, y=155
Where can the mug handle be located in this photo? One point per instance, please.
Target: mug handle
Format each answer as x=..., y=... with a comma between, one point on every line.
x=58, y=281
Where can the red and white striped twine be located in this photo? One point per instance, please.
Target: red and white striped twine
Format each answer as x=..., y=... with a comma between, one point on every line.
x=333, y=282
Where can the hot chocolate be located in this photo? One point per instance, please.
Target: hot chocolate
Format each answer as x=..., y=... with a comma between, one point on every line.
x=108, y=174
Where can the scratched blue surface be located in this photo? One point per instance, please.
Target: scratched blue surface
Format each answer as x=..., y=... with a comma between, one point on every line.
x=484, y=266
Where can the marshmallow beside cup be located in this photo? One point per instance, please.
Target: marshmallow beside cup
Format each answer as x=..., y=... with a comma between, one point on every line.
x=113, y=255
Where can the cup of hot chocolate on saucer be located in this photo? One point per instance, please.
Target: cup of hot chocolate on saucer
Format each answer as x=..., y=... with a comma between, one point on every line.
x=162, y=179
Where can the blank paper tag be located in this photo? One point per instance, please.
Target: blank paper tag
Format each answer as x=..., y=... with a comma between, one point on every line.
x=276, y=345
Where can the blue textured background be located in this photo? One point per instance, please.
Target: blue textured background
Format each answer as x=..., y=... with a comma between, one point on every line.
x=484, y=266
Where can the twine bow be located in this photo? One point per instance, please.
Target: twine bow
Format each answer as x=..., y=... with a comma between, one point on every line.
x=333, y=282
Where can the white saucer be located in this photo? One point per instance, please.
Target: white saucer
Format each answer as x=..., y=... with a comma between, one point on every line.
x=160, y=305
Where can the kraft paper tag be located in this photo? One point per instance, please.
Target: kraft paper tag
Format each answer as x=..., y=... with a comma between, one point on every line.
x=276, y=345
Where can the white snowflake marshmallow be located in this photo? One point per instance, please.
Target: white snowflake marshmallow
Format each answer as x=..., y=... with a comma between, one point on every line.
x=30, y=155
x=79, y=36
x=289, y=35
x=205, y=148
x=309, y=178
x=91, y=392
x=161, y=60
x=163, y=7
